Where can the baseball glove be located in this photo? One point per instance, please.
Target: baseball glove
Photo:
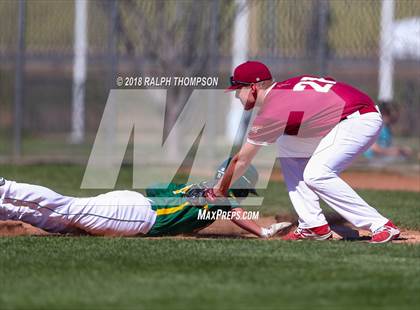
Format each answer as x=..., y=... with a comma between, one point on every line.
x=197, y=193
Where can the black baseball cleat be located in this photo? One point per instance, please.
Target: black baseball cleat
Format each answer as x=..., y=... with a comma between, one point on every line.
x=2, y=181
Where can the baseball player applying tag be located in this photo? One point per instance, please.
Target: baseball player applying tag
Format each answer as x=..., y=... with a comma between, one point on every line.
x=320, y=126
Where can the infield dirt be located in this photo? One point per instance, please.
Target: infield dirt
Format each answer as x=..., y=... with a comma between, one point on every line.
x=225, y=229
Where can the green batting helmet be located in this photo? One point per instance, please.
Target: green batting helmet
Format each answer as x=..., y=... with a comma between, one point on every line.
x=245, y=184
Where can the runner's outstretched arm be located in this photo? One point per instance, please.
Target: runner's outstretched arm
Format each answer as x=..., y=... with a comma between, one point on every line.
x=252, y=227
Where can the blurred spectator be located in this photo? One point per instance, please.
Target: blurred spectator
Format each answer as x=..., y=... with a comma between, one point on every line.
x=383, y=148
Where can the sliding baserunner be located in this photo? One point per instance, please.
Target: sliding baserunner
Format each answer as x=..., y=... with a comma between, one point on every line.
x=167, y=210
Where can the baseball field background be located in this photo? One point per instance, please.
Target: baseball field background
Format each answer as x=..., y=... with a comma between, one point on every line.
x=207, y=271
x=44, y=141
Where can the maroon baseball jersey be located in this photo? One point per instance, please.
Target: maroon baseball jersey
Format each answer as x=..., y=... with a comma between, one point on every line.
x=306, y=106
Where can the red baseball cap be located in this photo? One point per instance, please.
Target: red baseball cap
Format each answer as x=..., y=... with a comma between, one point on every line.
x=248, y=73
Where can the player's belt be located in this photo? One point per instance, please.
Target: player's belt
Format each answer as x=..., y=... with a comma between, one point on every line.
x=364, y=110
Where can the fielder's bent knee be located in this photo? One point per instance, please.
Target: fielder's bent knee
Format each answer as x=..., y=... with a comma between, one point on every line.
x=315, y=178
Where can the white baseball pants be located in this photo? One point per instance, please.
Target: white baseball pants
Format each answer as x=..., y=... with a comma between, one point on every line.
x=117, y=213
x=309, y=179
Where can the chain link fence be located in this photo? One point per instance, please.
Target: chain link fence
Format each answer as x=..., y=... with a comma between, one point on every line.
x=339, y=38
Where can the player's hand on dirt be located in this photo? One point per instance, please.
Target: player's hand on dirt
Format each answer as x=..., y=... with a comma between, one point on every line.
x=272, y=230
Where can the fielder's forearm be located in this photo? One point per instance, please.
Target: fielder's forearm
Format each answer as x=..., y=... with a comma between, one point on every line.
x=236, y=168
x=248, y=225
x=234, y=171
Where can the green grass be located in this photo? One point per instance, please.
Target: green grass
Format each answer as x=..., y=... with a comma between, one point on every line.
x=64, y=273
x=128, y=273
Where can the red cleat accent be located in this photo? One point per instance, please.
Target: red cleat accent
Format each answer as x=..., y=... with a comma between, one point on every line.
x=316, y=233
x=386, y=233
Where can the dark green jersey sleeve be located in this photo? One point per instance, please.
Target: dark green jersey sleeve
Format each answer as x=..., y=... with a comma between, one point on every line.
x=163, y=189
x=175, y=215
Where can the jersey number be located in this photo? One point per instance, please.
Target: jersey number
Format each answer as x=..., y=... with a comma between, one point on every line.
x=320, y=85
